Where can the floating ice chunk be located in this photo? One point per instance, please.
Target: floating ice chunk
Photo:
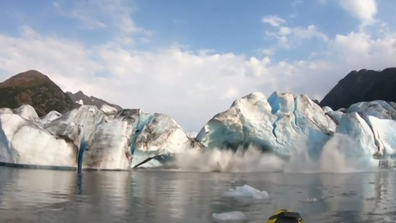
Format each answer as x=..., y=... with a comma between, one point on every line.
x=314, y=199
x=246, y=191
x=389, y=219
x=311, y=200
x=227, y=216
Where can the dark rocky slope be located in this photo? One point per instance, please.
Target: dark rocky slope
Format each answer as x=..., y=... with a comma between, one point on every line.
x=362, y=85
x=36, y=89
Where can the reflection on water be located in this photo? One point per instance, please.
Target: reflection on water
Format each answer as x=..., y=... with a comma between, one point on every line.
x=161, y=196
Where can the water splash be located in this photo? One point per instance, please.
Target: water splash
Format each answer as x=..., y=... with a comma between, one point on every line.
x=218, y=160
x=342, y=154
x=339, y=155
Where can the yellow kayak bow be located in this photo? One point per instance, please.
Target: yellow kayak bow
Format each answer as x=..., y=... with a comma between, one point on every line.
x=285, y=216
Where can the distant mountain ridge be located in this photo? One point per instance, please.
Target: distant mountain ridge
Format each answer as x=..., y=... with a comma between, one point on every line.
x=362, y=85
x=38, y=90
x=81, y=99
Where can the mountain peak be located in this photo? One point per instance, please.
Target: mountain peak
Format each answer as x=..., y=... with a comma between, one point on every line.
x=28, y=78
x=79, y=94
x=36, y=89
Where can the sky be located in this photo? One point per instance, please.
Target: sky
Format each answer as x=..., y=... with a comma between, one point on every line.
x=192, y=59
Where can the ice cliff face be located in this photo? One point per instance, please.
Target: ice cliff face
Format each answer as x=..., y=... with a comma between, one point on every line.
x=89, y=138
x=371, y=124
x=293, y=125
x=284, y=124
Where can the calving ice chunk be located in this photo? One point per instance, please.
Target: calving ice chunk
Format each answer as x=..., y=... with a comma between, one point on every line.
x=372, y=126
x=360, y=133
x=294, y=127
x=283, y=124
x=287, y=126
x=160, y=135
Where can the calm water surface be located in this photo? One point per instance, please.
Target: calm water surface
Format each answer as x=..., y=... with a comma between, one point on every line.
x=168, y=196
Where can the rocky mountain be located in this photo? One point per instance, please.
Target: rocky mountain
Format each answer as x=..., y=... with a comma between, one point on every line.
x=80, y=98
x=36, y=89
x=39, y=91
x=362, y=85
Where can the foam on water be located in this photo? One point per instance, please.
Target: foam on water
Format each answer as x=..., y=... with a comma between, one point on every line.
x=339, y=155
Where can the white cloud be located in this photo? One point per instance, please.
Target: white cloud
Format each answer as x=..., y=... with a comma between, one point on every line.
x=364, y=10
x=291, y=37
x=266, y=51
x=273, y=20
x=361, y=49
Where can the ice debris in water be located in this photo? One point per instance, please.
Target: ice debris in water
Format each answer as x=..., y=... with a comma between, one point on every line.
x=312, y=200
x=246, y=191
x=233, y=216
x=388, y=219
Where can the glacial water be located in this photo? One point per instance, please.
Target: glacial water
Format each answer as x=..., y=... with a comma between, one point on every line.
x=28, y=195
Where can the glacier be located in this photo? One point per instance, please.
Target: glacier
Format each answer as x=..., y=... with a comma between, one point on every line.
x=89, y=138
x=286, y=125
x=282, y=124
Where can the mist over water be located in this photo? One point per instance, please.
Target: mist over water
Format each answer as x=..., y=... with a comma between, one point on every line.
x=339, y=155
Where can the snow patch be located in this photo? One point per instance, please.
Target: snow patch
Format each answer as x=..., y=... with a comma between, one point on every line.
x=80, y=102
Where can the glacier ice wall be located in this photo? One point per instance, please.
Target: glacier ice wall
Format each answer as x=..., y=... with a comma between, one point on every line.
x=284, y=124
x=89, y=138
x=291, y=126
x=25, y=142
